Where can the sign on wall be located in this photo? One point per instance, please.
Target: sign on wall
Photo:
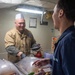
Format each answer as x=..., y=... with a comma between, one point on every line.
x=33, y=22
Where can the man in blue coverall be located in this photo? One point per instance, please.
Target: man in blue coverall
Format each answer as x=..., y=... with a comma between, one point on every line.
x=63, y=62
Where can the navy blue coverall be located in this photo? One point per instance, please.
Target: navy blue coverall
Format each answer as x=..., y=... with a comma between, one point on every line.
x=64, y=53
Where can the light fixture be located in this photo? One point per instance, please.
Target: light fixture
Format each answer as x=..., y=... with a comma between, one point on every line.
x=30, y=10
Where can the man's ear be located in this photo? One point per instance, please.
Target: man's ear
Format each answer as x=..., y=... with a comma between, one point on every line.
x=61, y=13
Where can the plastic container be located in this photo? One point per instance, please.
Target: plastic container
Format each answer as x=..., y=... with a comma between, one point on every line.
x=8, y=68
x=25, y=65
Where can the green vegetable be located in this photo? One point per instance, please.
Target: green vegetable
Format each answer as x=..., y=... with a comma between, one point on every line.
x=32, y=73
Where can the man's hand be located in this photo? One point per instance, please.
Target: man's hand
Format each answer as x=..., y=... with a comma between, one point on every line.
x=42, y=62
x=19, y=54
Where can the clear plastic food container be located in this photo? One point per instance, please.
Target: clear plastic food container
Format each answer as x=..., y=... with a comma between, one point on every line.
x=26, y=67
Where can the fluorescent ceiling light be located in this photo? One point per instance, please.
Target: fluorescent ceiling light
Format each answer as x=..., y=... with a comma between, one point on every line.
x=13, y=1
x=29, y=10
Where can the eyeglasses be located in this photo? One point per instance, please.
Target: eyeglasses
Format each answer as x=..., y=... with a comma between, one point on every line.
x=22, y=23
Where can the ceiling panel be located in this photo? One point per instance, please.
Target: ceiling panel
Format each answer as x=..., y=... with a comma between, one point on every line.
x=51, y=1
x=33, y=2
x=48, y=4
x=6, y=5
